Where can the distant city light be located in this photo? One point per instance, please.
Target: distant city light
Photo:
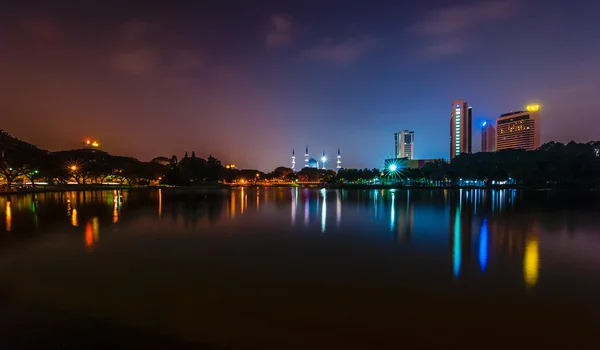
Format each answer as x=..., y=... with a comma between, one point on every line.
x=393, y=167
x=323, y=159
x=73, y=167
x=91, y=143
x=533, y=108
x=484, y=124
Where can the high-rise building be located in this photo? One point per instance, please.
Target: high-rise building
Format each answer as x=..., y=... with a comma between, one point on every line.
x=405, y=144
x=519, y=130
x=460, y=128
x=339, y=160
x=293, y=159
x=488, y=137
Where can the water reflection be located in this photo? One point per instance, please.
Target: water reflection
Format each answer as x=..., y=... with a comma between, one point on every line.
x=74, y=220
x=531, y=261
x=483, y=245
x=8, y=216
x=324, y=211
x=294, y=204
x=117, y=205
x=478, y=229
x=159, y=203
x=338, y=208
x=457, y=241
x=306, y=209
x=393, y=212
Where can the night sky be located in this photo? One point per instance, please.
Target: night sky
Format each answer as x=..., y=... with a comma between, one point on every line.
x=247, y=83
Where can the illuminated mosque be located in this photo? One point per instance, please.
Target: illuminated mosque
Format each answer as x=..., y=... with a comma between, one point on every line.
x=313, y=163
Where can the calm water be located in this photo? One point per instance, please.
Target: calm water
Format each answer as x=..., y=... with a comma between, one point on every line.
x=300, y=269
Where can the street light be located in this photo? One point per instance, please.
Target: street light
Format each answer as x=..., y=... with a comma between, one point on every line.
x=393, y=167
x=73, y=167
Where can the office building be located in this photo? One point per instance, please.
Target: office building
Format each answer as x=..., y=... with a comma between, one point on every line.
x=405, y=144
x=488, y=137
x=519, y=130
x=460, y=128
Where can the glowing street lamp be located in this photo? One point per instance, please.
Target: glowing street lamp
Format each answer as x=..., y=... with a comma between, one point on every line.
x=393, y=167
x=73, y=167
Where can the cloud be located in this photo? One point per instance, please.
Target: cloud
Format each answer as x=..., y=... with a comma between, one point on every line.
x=449, y=29
x=134, y=32
x=141, y=52
x=280, y=33
x=136, y=62
x=446, y=47
x=43, y=28
x=343, y=52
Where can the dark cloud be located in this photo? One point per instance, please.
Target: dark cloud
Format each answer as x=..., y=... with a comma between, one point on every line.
x=280, y=33
x=43, y=28
x=449, y=30
x=343, y=51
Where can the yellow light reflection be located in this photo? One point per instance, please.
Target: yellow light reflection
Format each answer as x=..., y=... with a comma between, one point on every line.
x=531, y=262
x=242, y=198
x=115, y=208
x=8, y=216
x=95, y=229
x=160, y=202
x=74, y=221
x=232, y=205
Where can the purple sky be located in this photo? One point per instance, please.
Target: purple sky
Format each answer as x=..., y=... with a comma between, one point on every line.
x=247, y=83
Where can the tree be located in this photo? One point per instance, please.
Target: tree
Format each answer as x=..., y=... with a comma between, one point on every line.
x=16, y=158
x=280, y=173
x=161, y=160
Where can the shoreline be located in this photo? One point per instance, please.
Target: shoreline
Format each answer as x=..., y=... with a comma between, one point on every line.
x=191, y=189
x=71, y=188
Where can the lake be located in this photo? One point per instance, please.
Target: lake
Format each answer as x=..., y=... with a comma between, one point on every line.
x=294, y=268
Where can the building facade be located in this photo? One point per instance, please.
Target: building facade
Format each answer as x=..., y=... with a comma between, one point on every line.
x=405, y=144
x=519, y=130
x=488, y=137
x=460, y=128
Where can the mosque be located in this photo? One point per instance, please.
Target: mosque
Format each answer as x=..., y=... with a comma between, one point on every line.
x=313, y=163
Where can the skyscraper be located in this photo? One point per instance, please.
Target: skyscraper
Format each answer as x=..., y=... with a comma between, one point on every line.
x=488, y=137
x=339, y=160
x=460, y=128
x=519, y=129
x=405, y=144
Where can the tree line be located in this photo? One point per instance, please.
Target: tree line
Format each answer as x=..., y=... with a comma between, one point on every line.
x=552, y=164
